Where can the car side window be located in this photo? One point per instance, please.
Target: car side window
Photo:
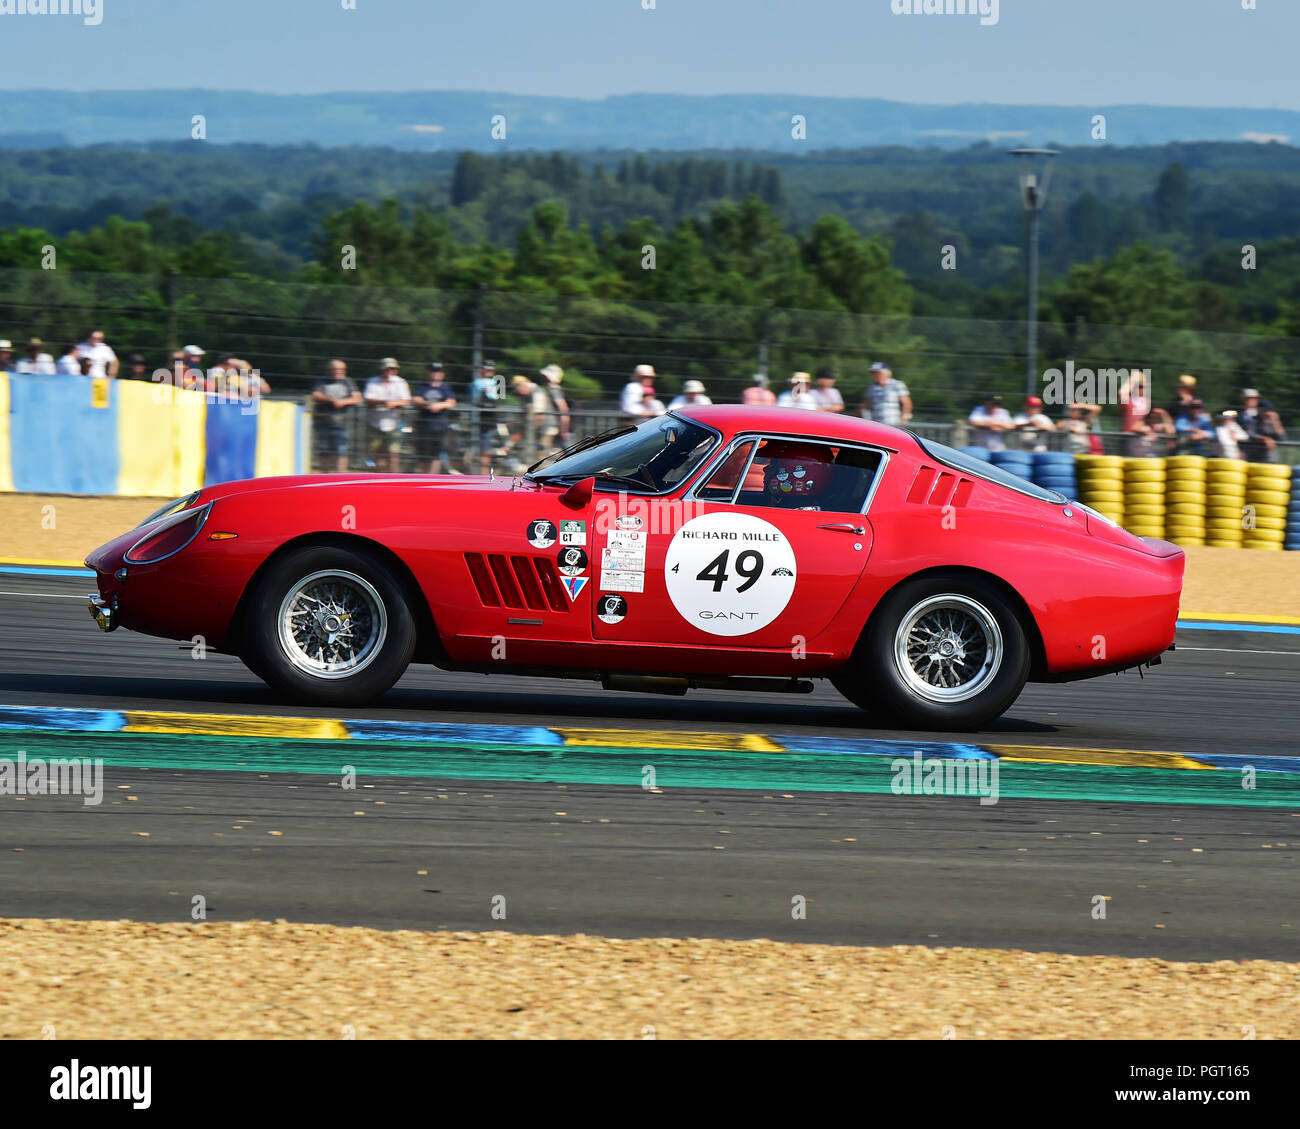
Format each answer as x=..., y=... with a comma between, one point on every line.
x=722, y=483
x=793, y=474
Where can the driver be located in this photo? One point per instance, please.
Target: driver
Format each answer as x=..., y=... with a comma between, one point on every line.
x=796, y=475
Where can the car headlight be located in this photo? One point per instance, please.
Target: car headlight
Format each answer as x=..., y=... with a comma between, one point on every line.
x=171, y=508
x=169, y=537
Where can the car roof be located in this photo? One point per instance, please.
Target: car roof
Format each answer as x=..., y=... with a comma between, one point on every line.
x=731, y=419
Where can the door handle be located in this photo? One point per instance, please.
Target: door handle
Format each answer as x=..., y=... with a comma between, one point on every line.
x=845, y=527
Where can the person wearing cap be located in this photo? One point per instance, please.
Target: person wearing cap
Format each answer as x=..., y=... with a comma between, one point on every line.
x=1185, y=402
x=333, y=398
x=1262, y=424
x=886, y=399
x=137, y=368
x=34, y=361
x=990, y=419
x=103, y=361
x=1194, y=428
x=1230, y=435
x=826, y=394
x=486, y=394
x=557, y=422
x=692, y=397
x=800, y=393
x=638, y=398
x=758, y=394
x=1032, y=422
x=188, y=362
x=386, y=395
x=434, y=401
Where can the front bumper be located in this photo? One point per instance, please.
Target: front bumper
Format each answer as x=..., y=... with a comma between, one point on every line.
x=102, y=612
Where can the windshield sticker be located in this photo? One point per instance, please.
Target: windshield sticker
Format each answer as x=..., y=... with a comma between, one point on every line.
x=729, y=573
x=573, y=585
x=541, y=533
x=573, y=533
x=612, y=609
x=572, y=561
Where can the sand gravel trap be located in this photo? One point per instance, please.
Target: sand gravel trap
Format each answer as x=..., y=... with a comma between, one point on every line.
x=123, y=980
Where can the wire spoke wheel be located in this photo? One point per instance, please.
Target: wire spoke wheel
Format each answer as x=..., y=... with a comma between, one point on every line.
x=332, y=624
x=948, y=648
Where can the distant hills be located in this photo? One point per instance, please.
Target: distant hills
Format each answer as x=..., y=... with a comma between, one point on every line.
x=456, y=120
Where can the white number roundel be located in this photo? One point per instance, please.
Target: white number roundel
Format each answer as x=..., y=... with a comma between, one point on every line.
x=729, y=573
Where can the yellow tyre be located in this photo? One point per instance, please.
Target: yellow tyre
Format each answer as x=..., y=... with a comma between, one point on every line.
x=1267, y=497
x=1184, y=497
x=1270, y=511
x=1272, y=524
x=1189, y=509
x=1180, y=461
x=1281, y=471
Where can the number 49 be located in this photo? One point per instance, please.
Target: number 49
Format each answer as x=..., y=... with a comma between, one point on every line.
x=749, y=564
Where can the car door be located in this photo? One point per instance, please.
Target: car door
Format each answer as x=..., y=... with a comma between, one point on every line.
x=761, y=555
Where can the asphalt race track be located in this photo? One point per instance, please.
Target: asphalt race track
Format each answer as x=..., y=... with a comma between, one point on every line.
x=1183, y=880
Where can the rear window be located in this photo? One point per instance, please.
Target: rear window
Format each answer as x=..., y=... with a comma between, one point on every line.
x=959, y=460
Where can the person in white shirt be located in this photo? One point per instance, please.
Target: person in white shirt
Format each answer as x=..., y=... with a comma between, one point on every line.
x=990, y=419
x=68, y=364
x=35, y=361
x=386, y=394
x=1230, y=435
x=799, y=394
x=826, y=394
x=103, y=361
x=638, y=398
x=1032, y=421
x=692, y=397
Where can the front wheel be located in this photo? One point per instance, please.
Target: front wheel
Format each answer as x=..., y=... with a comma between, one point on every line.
x=941, y=653
x=329, y=626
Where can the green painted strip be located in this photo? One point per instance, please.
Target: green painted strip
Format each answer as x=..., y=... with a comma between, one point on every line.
x=674, y=768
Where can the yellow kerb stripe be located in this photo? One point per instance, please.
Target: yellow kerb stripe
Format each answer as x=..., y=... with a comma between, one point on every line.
x=232, y=725
x=669, y=739
x=1110, y=758
x=1222, y=617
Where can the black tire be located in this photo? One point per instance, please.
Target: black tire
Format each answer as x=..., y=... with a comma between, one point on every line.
x=992, y=679
x=374, y=615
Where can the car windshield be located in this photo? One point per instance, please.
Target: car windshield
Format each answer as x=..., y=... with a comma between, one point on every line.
x=656, y=456
x=959, y=460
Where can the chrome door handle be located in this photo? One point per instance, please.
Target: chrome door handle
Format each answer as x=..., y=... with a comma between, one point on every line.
x=845, y=527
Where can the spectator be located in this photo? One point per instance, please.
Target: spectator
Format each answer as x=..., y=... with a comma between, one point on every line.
x=557, y=428
x=532, y=417
x=485, y=397
x=1185, y=402
x=103, y=361
x=34, y=361
x=638, y=398
x=692, y=397
x=799, y=395
x=1230, y=435
x=1255, y=419
x=434, y=400
x=85, y=366
x=1135, y=402
x=191, y=359
x=1195, y=429
x=886, y=399
x=1080, y=426
x=68, y=363
x=6, y=355
x=826, y=395
x=1032, y=422
x=758, y=394
x=243, y=382
x=137, y=368
x=386, y=394
x=1152, y=435
x=990, y=419
x=333, y=398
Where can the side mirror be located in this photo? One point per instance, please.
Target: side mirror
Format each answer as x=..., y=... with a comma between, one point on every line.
x=579, y=494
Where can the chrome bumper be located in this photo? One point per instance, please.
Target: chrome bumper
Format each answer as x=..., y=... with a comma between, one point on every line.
x=104, y=615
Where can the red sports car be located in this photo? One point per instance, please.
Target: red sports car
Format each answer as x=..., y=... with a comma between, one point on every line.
x=725, y=547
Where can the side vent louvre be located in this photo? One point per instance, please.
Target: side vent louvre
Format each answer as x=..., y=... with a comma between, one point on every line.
x=940, y=488
x=516, y=582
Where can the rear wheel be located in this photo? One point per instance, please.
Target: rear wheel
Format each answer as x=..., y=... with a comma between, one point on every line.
x=328, y=625
x=940, y=653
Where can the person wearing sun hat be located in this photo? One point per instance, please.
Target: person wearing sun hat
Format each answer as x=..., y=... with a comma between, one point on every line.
x=799, y=394
x=692, y=397
x=35, y=361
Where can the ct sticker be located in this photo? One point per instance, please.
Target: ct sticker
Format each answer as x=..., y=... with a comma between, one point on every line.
x=573, y=533
x=729, y=573
x=573, y=562
x=541, y=533
x=611, y=609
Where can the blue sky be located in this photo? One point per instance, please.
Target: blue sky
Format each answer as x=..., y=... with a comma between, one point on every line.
x=1065, y=52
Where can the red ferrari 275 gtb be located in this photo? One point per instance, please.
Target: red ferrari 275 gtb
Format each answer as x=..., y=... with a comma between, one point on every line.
x=726, y=547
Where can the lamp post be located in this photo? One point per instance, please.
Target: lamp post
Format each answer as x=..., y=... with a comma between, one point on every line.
x=1037, y=166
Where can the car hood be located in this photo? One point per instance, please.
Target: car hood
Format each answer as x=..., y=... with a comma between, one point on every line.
x=289, y=483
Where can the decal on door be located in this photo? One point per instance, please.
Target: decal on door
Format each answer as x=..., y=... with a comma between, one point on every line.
x=729, y=573
x=572, y=561
x=573, y=585
x=573, y=533
x=611, y=609
x=622, y=561
x=541, y=533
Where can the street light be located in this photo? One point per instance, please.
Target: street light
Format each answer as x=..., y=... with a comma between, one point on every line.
x=1034, y=179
